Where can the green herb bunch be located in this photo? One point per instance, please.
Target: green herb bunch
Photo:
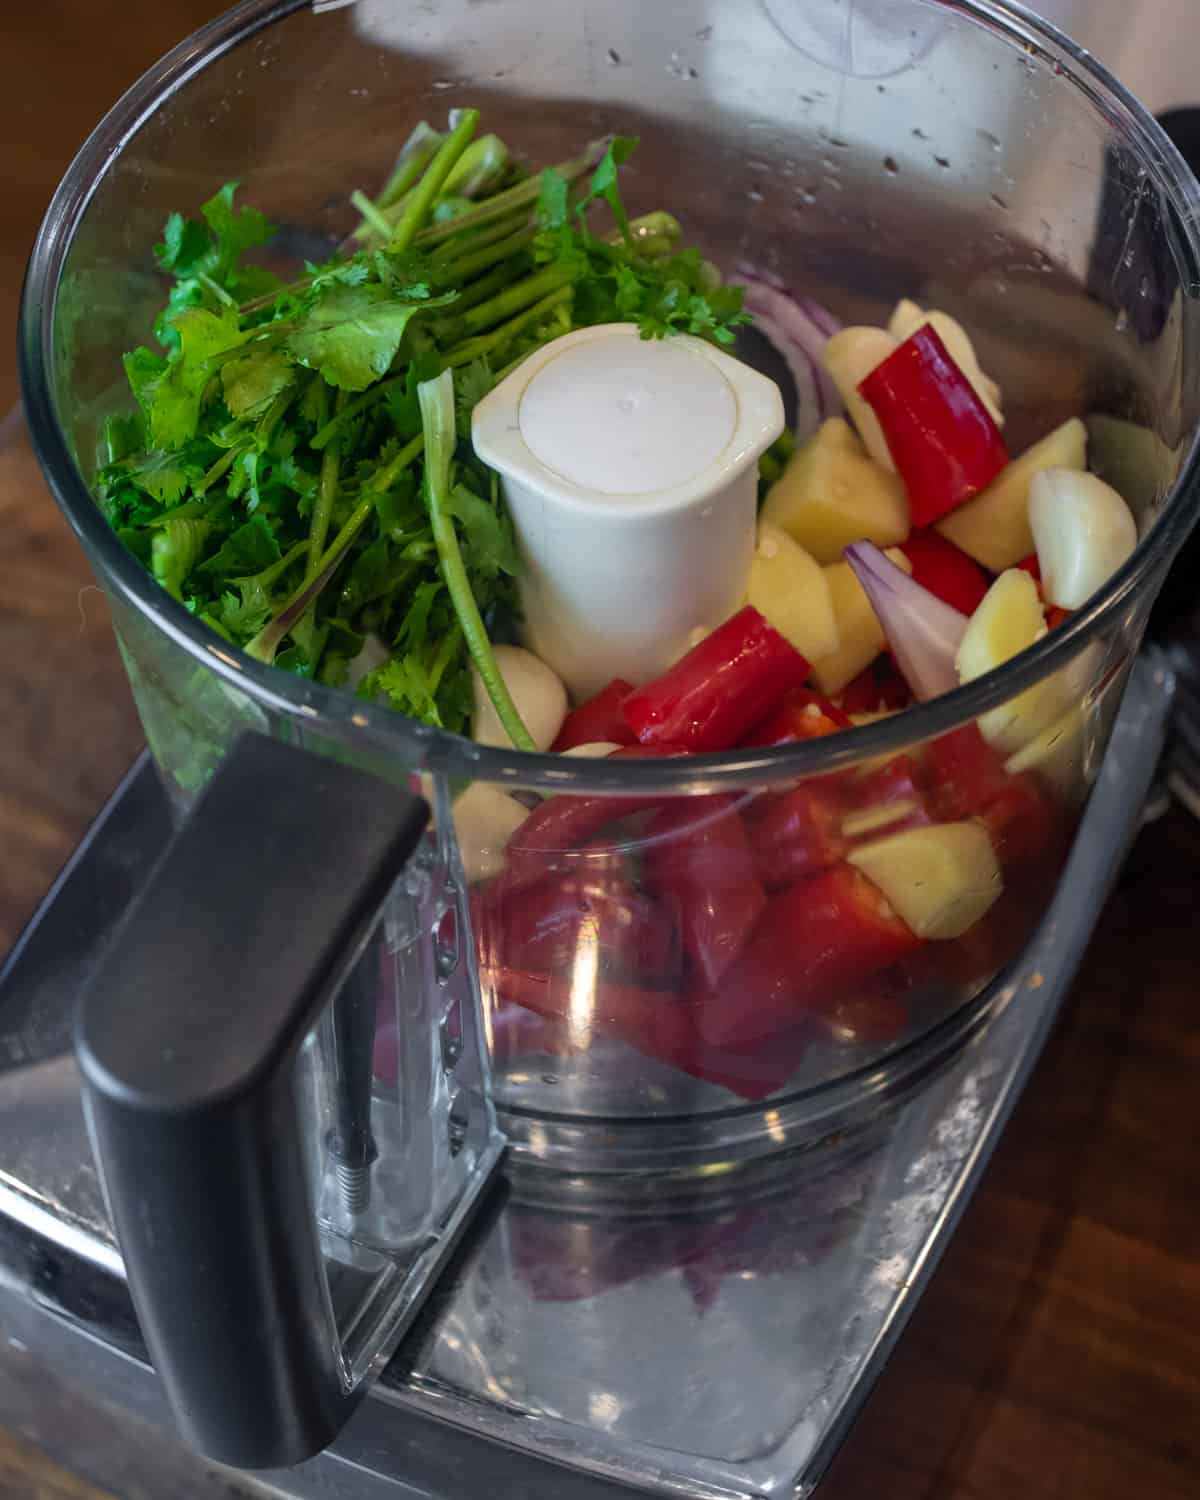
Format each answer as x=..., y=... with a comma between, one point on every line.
x=299, y=472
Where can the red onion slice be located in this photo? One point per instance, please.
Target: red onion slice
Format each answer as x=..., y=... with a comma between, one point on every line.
x=799, y=331
x=924, y=633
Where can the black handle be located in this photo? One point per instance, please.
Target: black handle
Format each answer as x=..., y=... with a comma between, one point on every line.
x=187, y=1038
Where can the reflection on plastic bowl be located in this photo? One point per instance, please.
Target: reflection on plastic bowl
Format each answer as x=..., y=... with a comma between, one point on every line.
x=857, y=38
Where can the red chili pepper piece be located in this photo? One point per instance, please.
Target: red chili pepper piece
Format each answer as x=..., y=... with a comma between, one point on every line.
x=1031, y=566
x=798, y=833
x=898, y=788
x=803, y=715
x=598, y=720
x=720, y=689
x=753, y=1070
x=879, y=1014
x=1055, y=616
x=699, y=862
x=965, y=773
x=557, y=829
x=877, y=688
x=815, y=942
x=946, y=570
x=943, y=440
x=656, y=1022
x=550, y=926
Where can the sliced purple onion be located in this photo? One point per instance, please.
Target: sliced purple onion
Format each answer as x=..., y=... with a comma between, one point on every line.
x=923, y=632
x=799, y=331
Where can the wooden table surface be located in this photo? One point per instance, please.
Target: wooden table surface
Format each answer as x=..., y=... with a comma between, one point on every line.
x=1058, y=1351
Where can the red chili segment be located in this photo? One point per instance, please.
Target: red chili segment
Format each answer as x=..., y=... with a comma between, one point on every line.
x=946, y=570
x=700, y=864
x=798, y=833
x=597, y=721
x=942, y=438
x=816, y=940
x=877, y=688
x=803, y=715
x=719, y=690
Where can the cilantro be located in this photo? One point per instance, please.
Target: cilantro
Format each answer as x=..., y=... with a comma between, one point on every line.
x=298, y=470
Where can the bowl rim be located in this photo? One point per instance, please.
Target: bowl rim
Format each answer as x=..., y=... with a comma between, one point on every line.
x=421, y=747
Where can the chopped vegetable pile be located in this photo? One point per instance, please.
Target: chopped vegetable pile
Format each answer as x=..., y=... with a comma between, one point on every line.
x=291, y=478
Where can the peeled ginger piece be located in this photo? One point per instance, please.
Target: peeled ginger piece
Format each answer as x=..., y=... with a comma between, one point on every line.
x=850, y=356
x=908, y=317
x=1083, y=532
x=831, y=494
x=940, y=879
x=789, y=589
x=1009, y=619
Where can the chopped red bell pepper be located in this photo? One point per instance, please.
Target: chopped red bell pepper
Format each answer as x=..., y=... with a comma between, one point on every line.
x=699, y=862
x=816, y=941
x=798, y=833
x=878, y=688
x=720, y=689
x=753, y=1070
x=946, y=570
x=1055, y=616
x=1031, y=566
x=943, y=440
x=597, y=721
x=803, y=715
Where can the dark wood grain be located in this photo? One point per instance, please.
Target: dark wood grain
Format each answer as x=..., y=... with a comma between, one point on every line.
x=1057, y=1353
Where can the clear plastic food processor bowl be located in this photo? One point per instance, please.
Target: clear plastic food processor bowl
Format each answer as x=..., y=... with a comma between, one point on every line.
x=955, y=151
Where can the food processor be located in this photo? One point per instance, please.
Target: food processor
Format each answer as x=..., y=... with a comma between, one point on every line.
x=386, y=1228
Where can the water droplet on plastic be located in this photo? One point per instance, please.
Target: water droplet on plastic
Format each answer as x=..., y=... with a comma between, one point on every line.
x=891, y=165
x=1127, y=260
x=614, y=57
x=440, y=85
x=1144, y=287
x=754, y=195
x=807, y=197
x=942, y=161
x=1122, y=322
x=550, y=1078
x=677, y=68
x=919, y=134
x=989, y=139
x=999, y=201
x=704, y=34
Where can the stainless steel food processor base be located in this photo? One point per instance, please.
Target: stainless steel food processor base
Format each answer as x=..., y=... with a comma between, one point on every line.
x=715, y=1344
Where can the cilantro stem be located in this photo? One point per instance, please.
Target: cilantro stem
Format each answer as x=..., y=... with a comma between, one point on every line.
x=371, y=215
x=450, y=252
x=495, y=281
x=522, y=294
x=420, y=201
x=524, y=194
x=476, y=348
x=437, y=415
x=326, y=493
x=490, y=255
x=269, y=639
x=347, y=411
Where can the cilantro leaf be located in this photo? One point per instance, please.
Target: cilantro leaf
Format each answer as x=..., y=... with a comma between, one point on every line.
x=249, y=549
x=603, y=182
x=252, y=381
x=352, y=334
x=175, y=550
x=486, y=540
x=234, y=230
